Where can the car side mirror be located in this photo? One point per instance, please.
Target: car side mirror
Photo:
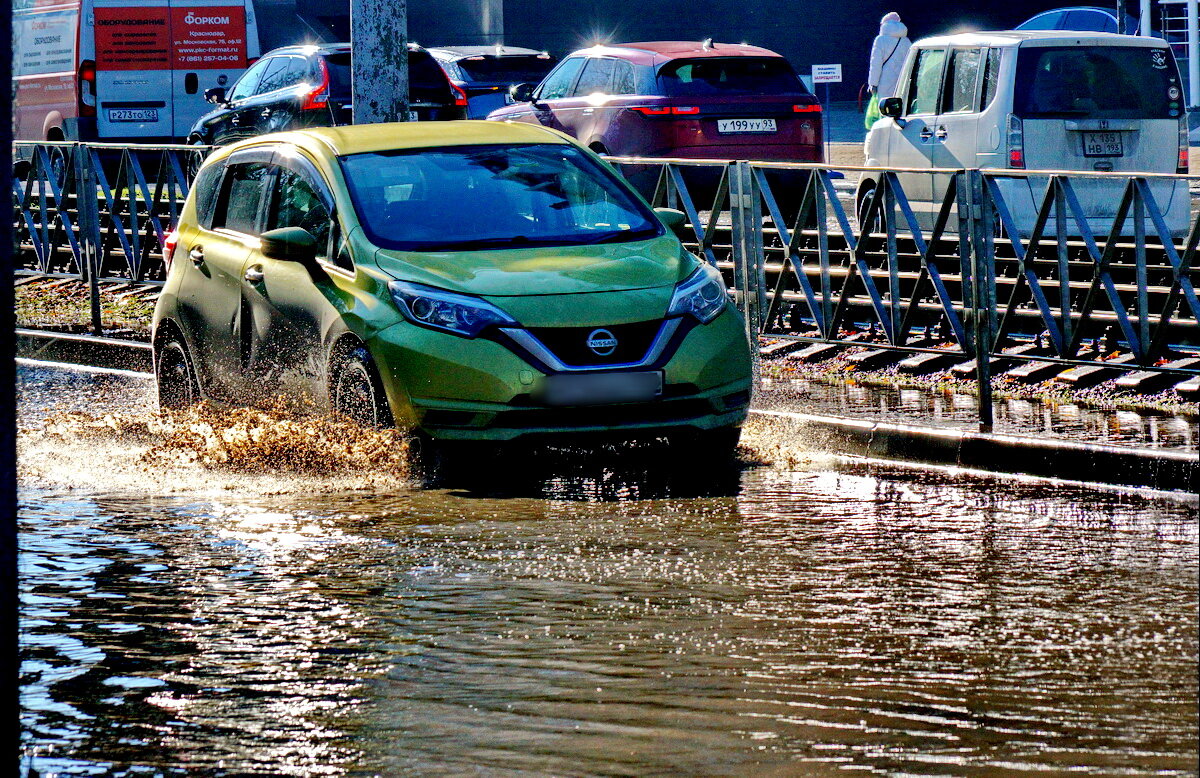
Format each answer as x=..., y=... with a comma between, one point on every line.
x=216, y=95
x=891, y=107
x=675, y=220
x=522, y=93
x=291, y=244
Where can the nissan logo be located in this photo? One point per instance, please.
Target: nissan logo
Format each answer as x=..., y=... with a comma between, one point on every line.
x=602, y=342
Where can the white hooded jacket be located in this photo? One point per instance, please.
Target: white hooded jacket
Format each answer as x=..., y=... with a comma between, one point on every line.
x=888, y=53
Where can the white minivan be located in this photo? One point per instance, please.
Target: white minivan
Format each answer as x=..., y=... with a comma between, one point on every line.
x=127, y=70
x=1036, y=100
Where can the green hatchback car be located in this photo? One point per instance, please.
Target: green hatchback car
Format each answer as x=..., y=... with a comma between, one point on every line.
x=474, y=281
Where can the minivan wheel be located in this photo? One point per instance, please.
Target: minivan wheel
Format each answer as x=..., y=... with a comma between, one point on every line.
x=863, y=203
x=177, y=386
x=357, y=392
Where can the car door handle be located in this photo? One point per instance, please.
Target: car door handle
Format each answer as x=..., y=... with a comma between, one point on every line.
x=266, y=113
x=941, y=133
x=196, y=255
x=926, y=133
x=588, y=111
x=254, y=275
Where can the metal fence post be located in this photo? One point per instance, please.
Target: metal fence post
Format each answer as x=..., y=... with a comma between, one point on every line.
x=746, y=219
x=87, y=208
x=981, y=303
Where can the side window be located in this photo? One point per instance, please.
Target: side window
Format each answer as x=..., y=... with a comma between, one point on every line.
x=926, y=82
x=991, y=78
x=206, y=188
x=249, y=80
x=559, y=82
x=298, y=204
x=624, y=82
x=242, y=196
x=958, y=93
x=275, y=76
x=597, y=77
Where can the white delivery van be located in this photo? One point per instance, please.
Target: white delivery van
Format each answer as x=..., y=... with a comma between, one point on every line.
x=1044, y=100
x=123, y=70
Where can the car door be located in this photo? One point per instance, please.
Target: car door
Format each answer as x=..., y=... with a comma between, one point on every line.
x=911, y=142
x=210, y=295
x=956, y=131
x=293, y=304
x=552, y=96
x=592, y=91
x=227, y=126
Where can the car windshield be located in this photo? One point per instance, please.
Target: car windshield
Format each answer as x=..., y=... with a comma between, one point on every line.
x=731, y=76
x=1100, y=82
x=497, y=196
x=530, y=68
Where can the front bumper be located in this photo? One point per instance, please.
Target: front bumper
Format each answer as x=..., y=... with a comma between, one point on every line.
x=453, y=388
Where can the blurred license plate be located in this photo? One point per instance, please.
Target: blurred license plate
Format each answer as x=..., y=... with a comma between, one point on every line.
x=600, y=388
x=1102, y=144
x=133, y=114
x=745, y=125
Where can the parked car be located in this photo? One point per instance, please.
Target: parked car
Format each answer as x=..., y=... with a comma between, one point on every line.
x=309, y=86
x=486, y=73
x=123, y=70
x=338, y=263
x=1080, y=18
x=1039, y=101
x=676, y=99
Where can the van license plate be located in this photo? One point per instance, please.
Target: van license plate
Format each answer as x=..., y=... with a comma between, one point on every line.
x=133, y=114
x=600, y=388
x=1102, y=144
x=745, y=125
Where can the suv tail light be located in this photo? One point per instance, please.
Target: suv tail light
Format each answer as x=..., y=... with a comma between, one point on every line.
x=318, y=98
x=1181, y=167
x=681, y=110
x=460, y=95
x=1016, y=143
x=814, y=108
x=87, y=88
x=169, y=244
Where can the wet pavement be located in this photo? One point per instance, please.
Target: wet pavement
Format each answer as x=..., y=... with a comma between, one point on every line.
x=609, y=615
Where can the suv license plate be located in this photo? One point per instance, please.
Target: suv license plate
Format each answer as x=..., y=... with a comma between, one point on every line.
x=412, y=116
x=745, y=125
x=601, y=388
x=1103, y=144
x=133, y=114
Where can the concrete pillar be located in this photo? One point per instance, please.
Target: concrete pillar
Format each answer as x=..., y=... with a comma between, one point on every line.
x=1193, y=53
x=379, y=82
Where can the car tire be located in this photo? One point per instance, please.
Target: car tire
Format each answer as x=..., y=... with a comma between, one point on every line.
x=195, y=159
x=177, y=386
x=861, y=203
x=356, y=390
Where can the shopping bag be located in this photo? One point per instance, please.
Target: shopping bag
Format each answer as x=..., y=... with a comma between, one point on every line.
x=873, y=114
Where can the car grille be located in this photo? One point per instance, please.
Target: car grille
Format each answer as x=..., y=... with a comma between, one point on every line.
x=614, y=416
x=570, y=344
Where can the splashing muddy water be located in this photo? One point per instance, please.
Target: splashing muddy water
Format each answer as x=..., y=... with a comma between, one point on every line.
x=799, y=616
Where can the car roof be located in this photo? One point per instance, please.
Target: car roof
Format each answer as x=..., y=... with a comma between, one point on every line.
x=365, y=138
x=1018, y=37
x=658, y=52
x=323, y=48
x=459, y=52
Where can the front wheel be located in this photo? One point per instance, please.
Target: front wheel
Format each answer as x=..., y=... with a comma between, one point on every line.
x=177, y=387
x=356, y=391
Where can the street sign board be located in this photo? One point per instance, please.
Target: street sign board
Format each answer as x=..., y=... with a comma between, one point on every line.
x=827, y=74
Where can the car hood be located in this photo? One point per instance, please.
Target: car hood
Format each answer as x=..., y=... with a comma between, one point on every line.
x=609, y=267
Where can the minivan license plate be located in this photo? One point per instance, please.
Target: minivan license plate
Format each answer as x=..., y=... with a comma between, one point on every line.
x=601, y=388
x=1102, y=144
x=133, y=114
x=745, y=125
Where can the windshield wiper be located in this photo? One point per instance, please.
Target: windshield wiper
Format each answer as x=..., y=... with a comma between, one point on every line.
x=620, y=236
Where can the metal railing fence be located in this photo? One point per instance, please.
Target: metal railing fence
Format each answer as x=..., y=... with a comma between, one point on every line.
x=810, y=254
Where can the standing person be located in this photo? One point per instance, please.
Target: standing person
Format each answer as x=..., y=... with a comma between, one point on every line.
x=888, y=53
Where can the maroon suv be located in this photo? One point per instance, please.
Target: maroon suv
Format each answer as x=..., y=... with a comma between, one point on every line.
x=677, y=99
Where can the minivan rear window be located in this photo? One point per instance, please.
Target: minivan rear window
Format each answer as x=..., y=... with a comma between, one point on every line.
x=1100, y=82
x=530, y=68
x=730, y=76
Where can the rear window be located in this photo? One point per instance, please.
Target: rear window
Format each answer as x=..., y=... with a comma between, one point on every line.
x=426, y=81
x=732, y=76
x=1102, y=82
x=530, y=68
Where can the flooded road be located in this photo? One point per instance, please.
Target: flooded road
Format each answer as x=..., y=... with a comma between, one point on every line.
x=797, y=615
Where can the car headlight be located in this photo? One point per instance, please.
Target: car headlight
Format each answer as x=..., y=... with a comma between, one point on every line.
x=438, y=309
x=702, y=294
